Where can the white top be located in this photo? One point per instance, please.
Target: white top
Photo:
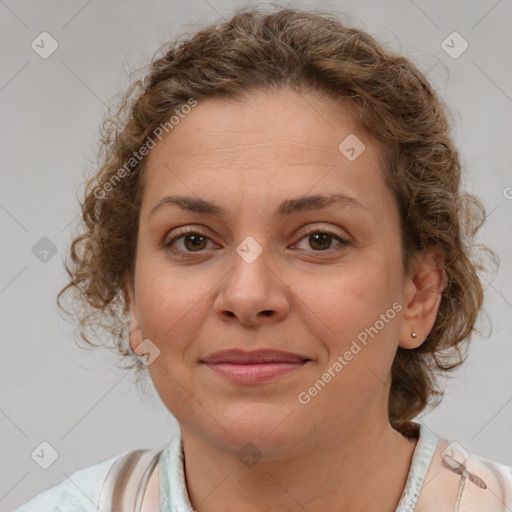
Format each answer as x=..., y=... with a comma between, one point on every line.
x=442, y=477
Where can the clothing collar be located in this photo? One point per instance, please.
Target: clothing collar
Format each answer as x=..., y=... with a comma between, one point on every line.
x=174, y=495
x=421, y=460
x=173, y=488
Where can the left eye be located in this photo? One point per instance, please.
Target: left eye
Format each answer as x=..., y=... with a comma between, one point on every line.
x=321, y=240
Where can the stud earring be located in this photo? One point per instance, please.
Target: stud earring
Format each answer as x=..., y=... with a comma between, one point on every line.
x=413, y=334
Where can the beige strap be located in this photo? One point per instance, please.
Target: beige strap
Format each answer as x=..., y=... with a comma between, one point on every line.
x=125, y=484
x=474, y=484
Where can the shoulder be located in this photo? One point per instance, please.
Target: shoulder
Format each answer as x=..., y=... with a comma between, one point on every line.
x=458, y=477
x=497, y=479
x=78, y=493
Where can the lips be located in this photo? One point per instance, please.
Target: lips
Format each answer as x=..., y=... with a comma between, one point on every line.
x=255, y=367
x=261, y=356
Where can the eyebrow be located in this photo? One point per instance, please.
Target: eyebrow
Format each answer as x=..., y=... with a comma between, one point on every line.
x=286, y=207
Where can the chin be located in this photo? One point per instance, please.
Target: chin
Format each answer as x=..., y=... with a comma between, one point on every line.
x=269, y=428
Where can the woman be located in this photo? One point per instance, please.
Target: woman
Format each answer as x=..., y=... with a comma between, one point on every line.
x=279, y=217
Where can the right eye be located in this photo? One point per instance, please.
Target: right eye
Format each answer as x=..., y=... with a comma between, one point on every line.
x=193, y=241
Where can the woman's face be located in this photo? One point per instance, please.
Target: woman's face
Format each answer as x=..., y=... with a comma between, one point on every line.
x=267, y=271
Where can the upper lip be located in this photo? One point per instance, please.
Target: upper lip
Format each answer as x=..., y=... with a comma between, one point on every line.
x=263, y=355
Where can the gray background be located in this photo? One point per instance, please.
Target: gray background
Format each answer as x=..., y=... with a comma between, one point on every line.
x=51, y=110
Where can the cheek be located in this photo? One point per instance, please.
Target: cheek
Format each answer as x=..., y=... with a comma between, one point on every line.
x=172, y=312
x=355, y=317
x=347, y=304
x=170, y=304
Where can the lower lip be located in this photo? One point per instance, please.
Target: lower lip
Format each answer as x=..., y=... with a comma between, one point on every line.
x=254, y=373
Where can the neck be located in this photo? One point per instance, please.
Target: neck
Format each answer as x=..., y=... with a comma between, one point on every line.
x=363, y=469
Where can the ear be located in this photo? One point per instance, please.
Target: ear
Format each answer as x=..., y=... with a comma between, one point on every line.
x=422, y=296
x=135, y=330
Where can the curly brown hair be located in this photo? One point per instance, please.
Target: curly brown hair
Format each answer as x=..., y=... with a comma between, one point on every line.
x=306, y=51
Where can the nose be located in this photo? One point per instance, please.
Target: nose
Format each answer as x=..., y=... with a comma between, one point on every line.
x=252, y=292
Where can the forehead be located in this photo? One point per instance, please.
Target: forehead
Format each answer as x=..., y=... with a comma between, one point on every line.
x=271, y=143
x=296, y=123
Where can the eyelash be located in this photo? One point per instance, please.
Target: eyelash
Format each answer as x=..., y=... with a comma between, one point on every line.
x=194, y=231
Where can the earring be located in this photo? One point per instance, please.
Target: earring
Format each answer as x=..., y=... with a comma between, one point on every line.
x=413, y=334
